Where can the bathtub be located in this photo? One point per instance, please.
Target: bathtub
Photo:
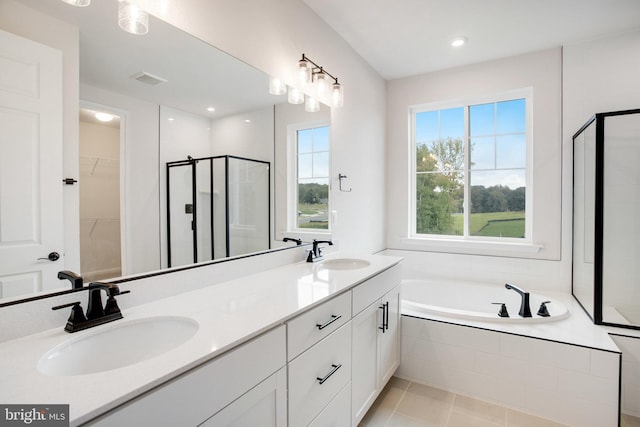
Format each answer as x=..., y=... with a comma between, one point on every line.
x=465, y=300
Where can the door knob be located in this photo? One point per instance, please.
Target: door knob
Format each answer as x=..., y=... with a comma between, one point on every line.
x=53, y=256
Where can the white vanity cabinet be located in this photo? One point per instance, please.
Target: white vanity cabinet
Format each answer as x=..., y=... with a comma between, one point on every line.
x=237, y=388
x=319, y=368
x=376, y=338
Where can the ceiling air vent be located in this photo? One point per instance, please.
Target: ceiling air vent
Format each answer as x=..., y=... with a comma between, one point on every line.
x=148, y=78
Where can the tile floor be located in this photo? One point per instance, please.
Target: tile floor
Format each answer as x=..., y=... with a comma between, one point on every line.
x=406, y=404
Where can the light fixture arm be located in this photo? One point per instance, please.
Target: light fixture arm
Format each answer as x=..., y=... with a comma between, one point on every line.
x=318, y=67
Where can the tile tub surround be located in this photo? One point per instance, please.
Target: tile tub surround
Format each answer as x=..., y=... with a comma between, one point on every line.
x=229, y=314
x=571, y=384
x=630, y=346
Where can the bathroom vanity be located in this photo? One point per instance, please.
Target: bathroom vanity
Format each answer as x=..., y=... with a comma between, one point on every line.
x=302, y=344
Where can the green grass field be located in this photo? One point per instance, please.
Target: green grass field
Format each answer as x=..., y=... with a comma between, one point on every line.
x=494, y=224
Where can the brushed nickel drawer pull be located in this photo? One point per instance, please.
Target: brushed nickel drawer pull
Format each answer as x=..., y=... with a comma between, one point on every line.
x=333, y=319
x=333, y=370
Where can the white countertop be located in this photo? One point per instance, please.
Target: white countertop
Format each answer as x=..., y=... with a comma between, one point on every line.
x=228, y=314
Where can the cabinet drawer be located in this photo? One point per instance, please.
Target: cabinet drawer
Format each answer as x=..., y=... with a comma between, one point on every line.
x=193, y=397
x=338, y=411
x=307, y=396
x=367, y=292
x=312, y=326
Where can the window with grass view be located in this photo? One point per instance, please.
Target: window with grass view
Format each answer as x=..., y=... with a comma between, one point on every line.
x=470, y=170
x=312, y=152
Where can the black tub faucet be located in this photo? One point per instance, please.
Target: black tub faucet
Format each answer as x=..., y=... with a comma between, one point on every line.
x=525, y=310
x=315, y=254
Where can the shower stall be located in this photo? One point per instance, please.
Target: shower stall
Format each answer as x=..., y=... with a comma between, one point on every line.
x=606, y=232
x=217, y=207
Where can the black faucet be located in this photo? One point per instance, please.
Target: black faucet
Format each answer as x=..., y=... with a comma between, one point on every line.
x=75, y=279
x=315, y=254
x=291, y=239
x=525, y=310
x=97, y=314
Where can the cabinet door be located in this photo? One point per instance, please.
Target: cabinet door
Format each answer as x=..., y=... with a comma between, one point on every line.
x=365, y=360
x=264, y=405
x=389, y=341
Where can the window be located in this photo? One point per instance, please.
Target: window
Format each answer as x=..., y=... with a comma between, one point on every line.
x=471, y=169
x=312, y=178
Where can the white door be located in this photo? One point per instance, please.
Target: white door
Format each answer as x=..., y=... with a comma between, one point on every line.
x=31, y=224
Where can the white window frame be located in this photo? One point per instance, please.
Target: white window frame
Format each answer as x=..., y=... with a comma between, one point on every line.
x=473, y=244
x=292, y=182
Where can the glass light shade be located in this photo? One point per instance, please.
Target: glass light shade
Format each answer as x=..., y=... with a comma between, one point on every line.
x=132, y=18
x=296, y=96
x=337, y=95
x=311, y=104
x=79, y=3
x=304, y=71
x=321, y=83
x=277, y=86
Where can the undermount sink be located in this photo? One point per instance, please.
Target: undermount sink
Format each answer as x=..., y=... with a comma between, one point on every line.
x=344, y=264
x=117, y=346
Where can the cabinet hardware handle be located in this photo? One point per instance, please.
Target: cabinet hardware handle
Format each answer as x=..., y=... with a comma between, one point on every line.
x=333, y=370
x=386, y=315
x=333, y=319
x=383, y=307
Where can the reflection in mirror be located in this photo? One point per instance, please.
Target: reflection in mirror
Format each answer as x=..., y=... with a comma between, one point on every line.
x=219, y=106
x=99, y=163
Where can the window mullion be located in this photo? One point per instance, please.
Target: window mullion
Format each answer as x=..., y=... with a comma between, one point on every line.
x=466, y=168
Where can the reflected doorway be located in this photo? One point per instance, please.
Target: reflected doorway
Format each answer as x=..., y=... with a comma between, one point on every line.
x=100, y=214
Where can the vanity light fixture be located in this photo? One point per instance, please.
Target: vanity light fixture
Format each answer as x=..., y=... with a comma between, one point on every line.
x=79, y=3
x=310, y=73
x=132, y=18
x=277, y=86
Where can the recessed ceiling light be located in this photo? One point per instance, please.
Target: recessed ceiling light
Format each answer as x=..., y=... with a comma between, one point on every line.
x=104, y=117
x=247, y=121
x=211, y=109
x=459, y=41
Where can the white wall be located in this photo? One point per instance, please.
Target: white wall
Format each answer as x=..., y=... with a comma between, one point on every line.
x=272, y=35
x=542, y=71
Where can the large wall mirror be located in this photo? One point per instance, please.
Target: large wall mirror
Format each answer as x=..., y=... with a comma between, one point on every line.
x=171, y=99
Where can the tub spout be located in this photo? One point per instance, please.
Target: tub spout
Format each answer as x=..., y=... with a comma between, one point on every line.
x=525, y=309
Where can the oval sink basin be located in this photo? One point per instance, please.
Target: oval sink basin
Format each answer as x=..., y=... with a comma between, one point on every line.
x=118, y=346
x=344, y=264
